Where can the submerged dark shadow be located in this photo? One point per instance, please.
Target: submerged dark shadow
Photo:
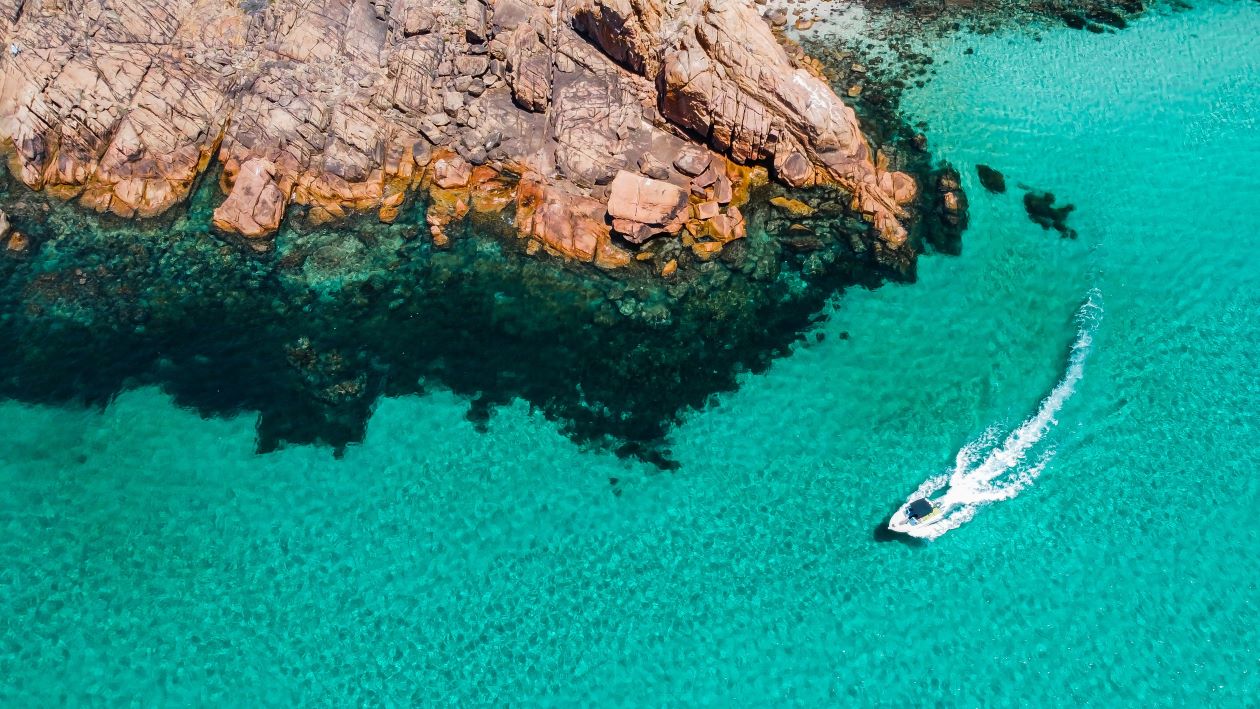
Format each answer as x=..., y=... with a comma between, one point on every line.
x=311, y=337
x=883, y=534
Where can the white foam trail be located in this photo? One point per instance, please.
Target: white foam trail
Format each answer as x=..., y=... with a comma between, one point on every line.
x=978, y=478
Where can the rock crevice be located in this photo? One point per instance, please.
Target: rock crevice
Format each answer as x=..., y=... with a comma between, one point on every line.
x=607, y=123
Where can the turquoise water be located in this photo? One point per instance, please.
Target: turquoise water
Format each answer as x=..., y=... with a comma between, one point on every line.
x=149, y=556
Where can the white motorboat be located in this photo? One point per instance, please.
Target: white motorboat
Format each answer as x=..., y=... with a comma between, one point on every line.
x=917, y=517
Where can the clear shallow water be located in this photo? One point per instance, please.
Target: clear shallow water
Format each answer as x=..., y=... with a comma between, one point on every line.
x=150, y=555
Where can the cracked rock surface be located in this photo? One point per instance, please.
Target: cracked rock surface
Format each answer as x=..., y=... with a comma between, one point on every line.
x=598, y=125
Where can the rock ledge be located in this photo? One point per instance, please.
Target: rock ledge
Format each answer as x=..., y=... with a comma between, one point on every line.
x=604, y=123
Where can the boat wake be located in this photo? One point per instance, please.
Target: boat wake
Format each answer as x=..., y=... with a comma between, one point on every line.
x=991, y=468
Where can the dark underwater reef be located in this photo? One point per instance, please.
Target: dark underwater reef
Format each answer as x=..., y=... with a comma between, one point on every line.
x=313, y=336
x=340, y=315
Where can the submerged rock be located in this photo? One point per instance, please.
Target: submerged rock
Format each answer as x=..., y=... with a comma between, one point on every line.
x=952, y=207
x=991, y=179
x=16, y=243
x=1073, y=20
x=792, y=206
x=1041, y=210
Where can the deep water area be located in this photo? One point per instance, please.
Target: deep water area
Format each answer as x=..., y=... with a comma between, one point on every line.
x=150, y=555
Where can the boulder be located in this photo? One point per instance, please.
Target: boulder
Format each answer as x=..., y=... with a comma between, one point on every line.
x=255, y=205
x=693, y=162
x=641, y=207
x=568, y=224
x=451, y=171
x=795, y=207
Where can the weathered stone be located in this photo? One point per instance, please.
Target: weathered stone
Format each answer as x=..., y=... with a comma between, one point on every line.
x=452, y=101
x=566, y=223
x=653, y=168
x=794, y=169
x=451, y=171
x=333, y=104
x=795, y=207
x=255, y=204
x=17, y=243
x=471, y=65
x=722, y=190
x=416, y=21
x=642, y=207
x=693, y=162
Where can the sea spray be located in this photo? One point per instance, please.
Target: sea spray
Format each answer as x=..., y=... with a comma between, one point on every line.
x=987, y=471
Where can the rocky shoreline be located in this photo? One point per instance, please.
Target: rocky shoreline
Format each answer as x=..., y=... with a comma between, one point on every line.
x=613, y=248
x=345, y=313
x=592, y=126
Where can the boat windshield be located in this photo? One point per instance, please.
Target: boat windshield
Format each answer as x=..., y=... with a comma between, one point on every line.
x=919, y=508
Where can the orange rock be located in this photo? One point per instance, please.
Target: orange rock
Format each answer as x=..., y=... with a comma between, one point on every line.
x=17, y=244
x=795, y=207
x=641, y=207
x=255, y=205
x=350, y=106
x=706, y=210
x=706, y=250
x=670, y=267
x=609, y=256
x=727, y=227
x=491, y=192
x=568, y=224
x=393, y=198
x=451, y=171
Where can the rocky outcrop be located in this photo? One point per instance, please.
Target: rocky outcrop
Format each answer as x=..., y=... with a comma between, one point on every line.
x=607, y=123
x=255, y=204
x=641, y=207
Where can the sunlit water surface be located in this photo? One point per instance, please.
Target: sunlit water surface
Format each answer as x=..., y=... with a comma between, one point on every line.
x=149, y=555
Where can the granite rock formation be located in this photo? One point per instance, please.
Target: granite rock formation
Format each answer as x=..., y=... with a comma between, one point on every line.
x=594, y=125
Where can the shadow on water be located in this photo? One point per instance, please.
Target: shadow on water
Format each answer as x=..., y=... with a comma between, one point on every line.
x=314, y=334
x=883, y=534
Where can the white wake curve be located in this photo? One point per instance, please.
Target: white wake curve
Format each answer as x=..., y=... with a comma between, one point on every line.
x=979, y=478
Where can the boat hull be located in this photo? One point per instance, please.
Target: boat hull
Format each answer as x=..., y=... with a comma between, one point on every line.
x=922, y=527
